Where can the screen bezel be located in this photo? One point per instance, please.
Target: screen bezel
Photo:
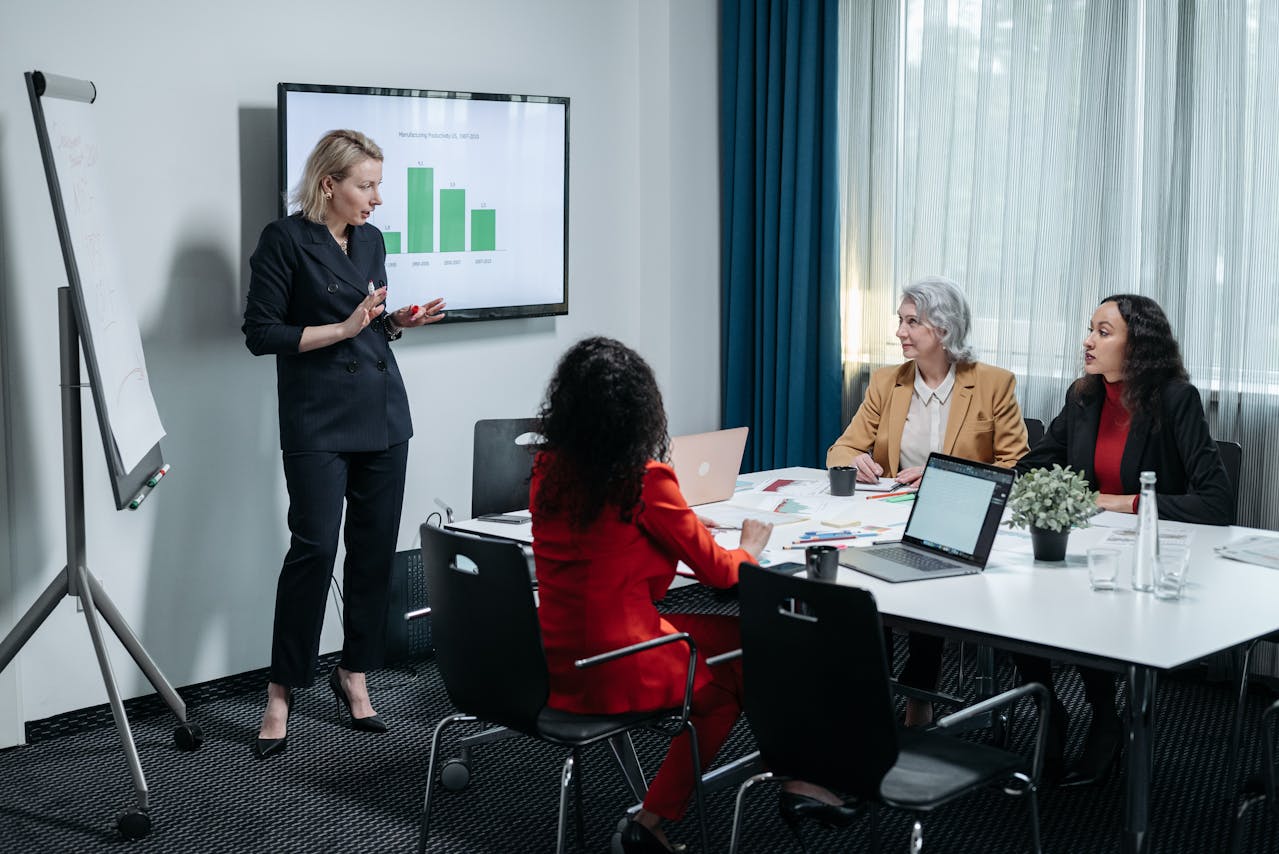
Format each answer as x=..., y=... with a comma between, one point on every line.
x=506, y=312
x=1002, y=478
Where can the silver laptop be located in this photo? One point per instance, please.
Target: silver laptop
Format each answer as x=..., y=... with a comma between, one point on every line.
x=952, y=524
x=707, y=464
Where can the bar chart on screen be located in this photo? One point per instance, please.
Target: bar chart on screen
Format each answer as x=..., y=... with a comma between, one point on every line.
x=473, y=192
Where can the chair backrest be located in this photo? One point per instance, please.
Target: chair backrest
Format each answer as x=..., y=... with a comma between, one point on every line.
x=501, y=465
x=815, y=683
x=484, y=626
x=1232, y=459
x=1034, y=431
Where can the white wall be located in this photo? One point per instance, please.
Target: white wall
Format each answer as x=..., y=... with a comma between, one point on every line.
x=186, y=117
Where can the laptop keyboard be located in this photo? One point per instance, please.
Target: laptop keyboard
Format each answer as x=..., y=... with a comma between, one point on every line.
x=913, y=559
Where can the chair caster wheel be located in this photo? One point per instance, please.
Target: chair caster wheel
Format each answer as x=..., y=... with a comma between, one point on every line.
x=188, y=737
x=455, y=774
x=133, y=823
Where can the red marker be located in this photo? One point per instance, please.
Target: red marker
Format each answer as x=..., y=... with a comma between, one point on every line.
x=413, y=311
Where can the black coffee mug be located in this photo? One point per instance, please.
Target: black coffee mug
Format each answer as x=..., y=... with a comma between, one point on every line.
x=843, y=480
x=822, y=562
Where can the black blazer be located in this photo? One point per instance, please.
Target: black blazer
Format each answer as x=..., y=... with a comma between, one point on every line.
x=1193, y=485
x=345, y=397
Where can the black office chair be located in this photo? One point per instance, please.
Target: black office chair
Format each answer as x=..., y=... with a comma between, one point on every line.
x=488, y=645
x=501, y=463
x=817, y=696
x=1232, y=459
x=1034, y=431
x=1262, y=786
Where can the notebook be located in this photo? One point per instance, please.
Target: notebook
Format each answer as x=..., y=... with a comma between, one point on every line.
x=952, y=524
x=706, y=464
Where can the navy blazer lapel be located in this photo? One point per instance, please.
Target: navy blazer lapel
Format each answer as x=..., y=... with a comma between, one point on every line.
x=321, y=246
x=363, y=255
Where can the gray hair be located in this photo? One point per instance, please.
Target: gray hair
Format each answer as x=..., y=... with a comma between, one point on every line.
x=941, y=304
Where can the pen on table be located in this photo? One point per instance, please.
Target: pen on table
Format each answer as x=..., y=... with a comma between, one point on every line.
x=798, y=547
x=814, y=541
x=159, y=473
x=891, y=494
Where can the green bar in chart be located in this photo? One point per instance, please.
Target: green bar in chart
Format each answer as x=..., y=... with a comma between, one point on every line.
x=452, y=220
x=421, y=224
x=392, y=241
x=483, y=230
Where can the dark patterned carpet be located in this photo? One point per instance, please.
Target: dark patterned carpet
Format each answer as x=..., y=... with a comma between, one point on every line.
x=336, y=790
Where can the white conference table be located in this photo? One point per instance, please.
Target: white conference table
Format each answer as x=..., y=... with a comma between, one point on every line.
x=1047, y=609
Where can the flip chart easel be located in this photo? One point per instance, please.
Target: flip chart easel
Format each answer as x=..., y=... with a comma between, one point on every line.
x=75, y=580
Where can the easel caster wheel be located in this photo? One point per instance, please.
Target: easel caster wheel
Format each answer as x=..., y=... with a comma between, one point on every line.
x=455, y=774
x=133, y=823
x=188, y=737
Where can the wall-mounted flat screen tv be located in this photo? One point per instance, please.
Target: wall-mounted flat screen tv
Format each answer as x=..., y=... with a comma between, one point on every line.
x=474, y=191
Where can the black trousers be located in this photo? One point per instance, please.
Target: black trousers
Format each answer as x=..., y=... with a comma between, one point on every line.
x=923, y=665
x=372, y=486
x=1099, y=685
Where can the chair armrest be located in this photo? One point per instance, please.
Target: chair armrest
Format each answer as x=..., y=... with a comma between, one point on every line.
x=661, y=640
x=622, y=652
x=1008, y=698
x=998, y=701
x=723, y=658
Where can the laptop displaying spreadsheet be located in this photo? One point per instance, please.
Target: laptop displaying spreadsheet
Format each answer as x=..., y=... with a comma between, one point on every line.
x=952, y=524
x=707, y=464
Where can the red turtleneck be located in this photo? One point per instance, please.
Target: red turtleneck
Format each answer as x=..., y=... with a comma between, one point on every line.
x=1112, y=435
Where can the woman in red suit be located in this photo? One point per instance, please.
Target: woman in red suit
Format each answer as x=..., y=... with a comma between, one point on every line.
x=609, y=526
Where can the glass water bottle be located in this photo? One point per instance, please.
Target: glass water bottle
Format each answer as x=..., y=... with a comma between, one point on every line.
x=1145, y=559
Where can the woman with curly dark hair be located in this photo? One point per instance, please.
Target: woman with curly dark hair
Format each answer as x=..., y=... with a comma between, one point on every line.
x=609, y=526
x=1133, y=410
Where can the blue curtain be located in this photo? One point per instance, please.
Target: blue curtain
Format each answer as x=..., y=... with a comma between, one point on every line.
x=780, y=318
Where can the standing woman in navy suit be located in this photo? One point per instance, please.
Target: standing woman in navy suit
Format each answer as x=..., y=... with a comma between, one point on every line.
x=315, y=302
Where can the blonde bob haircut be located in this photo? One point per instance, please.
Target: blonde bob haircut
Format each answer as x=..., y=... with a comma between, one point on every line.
x=333, y=156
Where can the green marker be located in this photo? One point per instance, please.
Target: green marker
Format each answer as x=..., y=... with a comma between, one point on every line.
x=155, y=478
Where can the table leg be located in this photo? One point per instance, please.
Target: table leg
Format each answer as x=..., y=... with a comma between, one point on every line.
x=1140, y=733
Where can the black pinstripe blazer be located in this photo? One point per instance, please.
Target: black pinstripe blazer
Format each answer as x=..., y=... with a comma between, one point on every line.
x=345, y=397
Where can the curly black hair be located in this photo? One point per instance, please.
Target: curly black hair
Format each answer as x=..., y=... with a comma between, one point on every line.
x=1152, y=358
x=602, y=421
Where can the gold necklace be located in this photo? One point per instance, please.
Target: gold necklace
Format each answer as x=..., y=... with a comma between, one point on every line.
x=342, y=242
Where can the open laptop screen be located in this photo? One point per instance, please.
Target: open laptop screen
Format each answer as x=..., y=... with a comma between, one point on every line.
x=958, y=507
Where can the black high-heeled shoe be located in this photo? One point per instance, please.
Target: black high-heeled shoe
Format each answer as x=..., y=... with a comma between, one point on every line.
x=795, y=807
x=1101, y=753
x=266, y=747
x=373, y=723
x=638, y=839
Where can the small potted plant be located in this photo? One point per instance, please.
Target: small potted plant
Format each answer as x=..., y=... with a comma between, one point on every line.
x=1050, y=502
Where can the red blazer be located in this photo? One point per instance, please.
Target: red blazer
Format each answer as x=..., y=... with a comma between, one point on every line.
x=596, y=590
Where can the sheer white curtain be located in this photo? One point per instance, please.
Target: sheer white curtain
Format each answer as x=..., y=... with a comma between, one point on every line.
x=1046, y=154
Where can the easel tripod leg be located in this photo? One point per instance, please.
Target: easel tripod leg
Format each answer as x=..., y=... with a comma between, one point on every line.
x=33, y=619
x=133, y=822
x=135, y=649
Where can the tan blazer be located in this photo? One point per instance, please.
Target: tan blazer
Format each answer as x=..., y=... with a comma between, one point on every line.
x=984, y=424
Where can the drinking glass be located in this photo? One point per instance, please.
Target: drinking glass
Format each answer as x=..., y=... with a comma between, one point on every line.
x=1103, y=568
x=1170, y=573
